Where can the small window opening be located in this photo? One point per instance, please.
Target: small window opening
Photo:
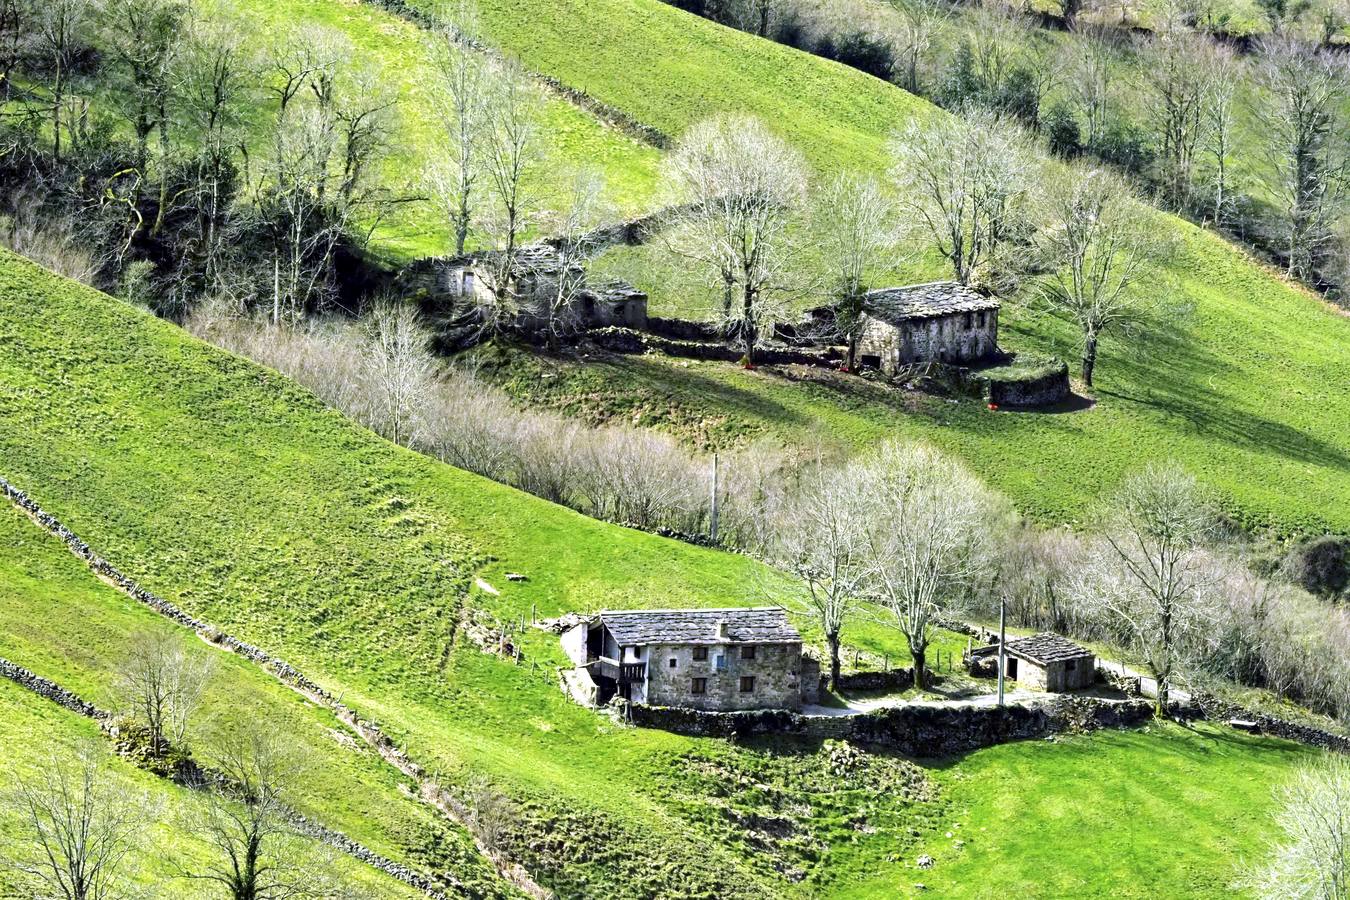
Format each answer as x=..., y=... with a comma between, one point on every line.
x=748, y=651
x=674, y=663
x=747, y=684
x=700, y=686
x=700, y=654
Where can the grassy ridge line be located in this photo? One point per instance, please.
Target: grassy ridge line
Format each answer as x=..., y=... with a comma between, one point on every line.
x=53, y=692
x=288, y=675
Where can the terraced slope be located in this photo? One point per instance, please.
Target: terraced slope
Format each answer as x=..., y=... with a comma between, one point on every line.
x=231, y=492
x=31, y=726
x=60, y=622
x=1248, y=389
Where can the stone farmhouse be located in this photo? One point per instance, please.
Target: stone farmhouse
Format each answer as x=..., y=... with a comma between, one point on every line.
x=708, y=659
x=941, y=322
x=1045, y=662
x=534, y=282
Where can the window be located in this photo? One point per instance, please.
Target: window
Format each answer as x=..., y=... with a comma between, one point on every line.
x=637, y=653
x=700, y=686
x=747, y=684
x=748, y=651
x=700, y=654
x=674, y=662
x=720, y=663
x=970, y=321
x=1070, y=665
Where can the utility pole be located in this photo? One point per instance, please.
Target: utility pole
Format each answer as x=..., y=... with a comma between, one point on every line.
x=714, y=499
x=1002, y=641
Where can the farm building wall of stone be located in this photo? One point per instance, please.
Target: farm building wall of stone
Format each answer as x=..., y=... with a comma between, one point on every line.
x=962, y=337
x=574, y=643
x=1055, y=677
x=776, y=669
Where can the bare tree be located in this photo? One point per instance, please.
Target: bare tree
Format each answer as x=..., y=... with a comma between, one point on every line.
x=246, y=820
x=60, y=34
x=1312, y=861
x=213, y=79
x=1148, y=576
x=930, y=528
x=512, y=152
x=823, y=539
x=491, y=814
x=965, y=182
x=398, y=371
x=1099, y=244
x=583, y=209
x=921, y=22
x=741, y=186
x=1219, y=117
x=80, y=823
x=1176, y=74
x=855, y=230
x=463, y=84
x=163, y=684
x=1305, y=147
x=1090, y=80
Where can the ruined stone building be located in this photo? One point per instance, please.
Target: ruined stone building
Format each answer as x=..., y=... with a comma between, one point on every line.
x=534, y=282
x=1045, y=662
x=708, y=659
x=939, y=322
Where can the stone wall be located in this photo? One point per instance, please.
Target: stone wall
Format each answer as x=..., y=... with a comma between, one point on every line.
x=915, y=729
x=628, y=340
x=893, y=680
x=1046, y=390
x=936, y=339
x=1222, y=710
x=776, y=669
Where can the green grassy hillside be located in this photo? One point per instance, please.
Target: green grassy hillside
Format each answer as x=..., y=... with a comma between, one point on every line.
x=58, y=620
x=1245, y=390
x=399, y=55
x=31, y=727
x=230, y=491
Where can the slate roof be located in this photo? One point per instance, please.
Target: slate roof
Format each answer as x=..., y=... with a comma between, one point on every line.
x=924, y=301
x=1047, y=648
x=747, y=625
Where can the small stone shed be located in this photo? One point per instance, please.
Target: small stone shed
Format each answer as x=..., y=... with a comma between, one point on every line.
x=534, y=282
x=707, y=659
x=939, y=322
x=1046, y=662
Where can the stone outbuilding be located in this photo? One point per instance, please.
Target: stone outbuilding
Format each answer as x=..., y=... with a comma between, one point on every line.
x=534, y=281
x=942, y=322
x=1045, y=662
x=708, y=659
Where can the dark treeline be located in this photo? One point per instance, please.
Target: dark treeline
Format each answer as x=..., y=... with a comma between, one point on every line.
x=154, y=152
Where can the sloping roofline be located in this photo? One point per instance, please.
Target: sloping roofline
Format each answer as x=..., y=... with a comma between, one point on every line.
x=744, y=625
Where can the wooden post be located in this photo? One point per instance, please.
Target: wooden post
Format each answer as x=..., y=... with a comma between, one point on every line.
x=1002, y=635
x=713, y=533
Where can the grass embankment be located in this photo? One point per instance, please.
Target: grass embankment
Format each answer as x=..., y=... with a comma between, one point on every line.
x=230, y=491
x=58, y=620
x=1242, y=390
x=32, y=729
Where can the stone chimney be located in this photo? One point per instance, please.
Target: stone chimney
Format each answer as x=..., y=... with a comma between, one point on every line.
x=722, y=629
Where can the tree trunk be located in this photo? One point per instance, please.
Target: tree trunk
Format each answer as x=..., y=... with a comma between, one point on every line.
x=920, y=667
x=1089, y=358
x=833, y=640
x=749, y=332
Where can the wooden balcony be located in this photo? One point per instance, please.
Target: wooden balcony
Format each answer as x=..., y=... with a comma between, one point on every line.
x=630, y=673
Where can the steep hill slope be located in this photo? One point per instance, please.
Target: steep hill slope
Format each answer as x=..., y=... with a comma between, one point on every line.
x=1247, y=390
x=233, y=493
x=60, y=622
